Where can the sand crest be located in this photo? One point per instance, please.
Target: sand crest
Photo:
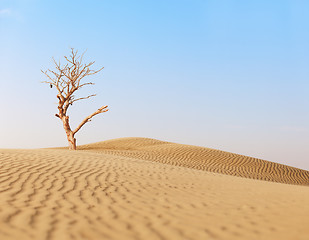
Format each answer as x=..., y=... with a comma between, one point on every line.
x=121, y=189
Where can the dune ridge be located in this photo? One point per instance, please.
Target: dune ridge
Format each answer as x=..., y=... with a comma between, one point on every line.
x=201, y=158
x=56, y=194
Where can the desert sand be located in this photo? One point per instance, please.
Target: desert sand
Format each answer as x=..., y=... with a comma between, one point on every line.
x=136, y=188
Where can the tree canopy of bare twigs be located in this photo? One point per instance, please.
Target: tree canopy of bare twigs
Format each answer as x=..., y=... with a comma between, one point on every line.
x=67, y=79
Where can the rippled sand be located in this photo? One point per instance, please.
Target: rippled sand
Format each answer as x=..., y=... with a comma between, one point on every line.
x=135, y=188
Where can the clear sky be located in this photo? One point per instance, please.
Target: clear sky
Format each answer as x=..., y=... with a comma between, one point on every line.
x=230, y=75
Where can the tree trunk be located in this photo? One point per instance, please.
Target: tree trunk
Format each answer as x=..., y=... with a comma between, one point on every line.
x=69, y=133
x=71, y=141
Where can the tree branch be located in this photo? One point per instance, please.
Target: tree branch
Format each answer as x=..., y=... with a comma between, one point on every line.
x=88, y=119
x=77, y=99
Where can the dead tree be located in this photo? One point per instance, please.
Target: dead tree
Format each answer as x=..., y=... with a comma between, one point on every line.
x=67, y=79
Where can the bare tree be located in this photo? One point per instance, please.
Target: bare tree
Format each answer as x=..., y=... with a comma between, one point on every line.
x=67, y=79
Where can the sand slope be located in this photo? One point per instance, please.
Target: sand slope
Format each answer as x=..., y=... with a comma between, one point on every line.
x=60, y=194
x=201, y=158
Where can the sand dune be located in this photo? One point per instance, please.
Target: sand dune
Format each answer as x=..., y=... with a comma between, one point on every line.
x=201, y=158
x=113, y=191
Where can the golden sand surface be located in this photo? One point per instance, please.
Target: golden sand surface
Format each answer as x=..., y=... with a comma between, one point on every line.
x=208, y=159
x=136, y=188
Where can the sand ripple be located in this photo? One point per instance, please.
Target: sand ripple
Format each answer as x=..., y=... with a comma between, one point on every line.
x=59, y=194
x=201, y=158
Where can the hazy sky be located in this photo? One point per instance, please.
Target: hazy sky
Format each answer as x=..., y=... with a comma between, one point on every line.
x=230, y=75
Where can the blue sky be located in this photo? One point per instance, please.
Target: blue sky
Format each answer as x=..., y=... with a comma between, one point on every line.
x=230, y=75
